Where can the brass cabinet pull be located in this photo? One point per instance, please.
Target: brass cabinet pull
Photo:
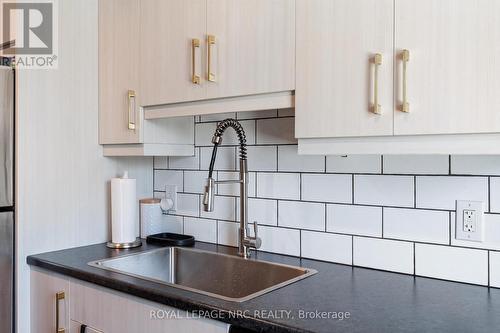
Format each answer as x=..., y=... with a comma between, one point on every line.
x=59, y=297
x=131, y=110
x=211, y=42
x=195, y=45
x=377, y=60
x=405, y=107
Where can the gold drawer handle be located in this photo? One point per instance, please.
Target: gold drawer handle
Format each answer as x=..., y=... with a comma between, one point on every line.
x=131, y=110
x=59, y=297
x=377, y=60
x=195, y=46
x=405, y=107
x=211, y=42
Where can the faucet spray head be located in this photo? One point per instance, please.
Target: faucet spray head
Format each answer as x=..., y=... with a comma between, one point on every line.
x=208, y=198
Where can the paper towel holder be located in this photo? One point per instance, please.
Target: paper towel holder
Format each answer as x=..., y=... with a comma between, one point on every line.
x=121, y=246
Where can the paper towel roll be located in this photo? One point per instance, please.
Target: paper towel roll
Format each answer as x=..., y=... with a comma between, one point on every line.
x=151, y=215
x=123, y=209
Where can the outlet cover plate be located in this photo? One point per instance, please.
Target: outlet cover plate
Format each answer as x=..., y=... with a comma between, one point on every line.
x=171, y=193
x=469, y=224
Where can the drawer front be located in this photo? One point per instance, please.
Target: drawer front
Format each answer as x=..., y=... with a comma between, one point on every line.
x=113, y=312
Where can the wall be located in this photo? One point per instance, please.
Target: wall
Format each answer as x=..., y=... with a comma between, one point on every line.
x=62, y=179
x=393, y=213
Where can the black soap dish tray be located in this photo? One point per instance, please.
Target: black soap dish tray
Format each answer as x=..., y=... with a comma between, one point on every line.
x=170, y=239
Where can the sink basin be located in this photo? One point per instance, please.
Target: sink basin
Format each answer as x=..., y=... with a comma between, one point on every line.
x=218, y=275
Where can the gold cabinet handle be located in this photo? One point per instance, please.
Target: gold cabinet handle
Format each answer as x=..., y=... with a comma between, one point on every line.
x=211, y=42
x=377, y=60
x=131, y=110
x=59, y=297
x=405, y=56
x=195, y=46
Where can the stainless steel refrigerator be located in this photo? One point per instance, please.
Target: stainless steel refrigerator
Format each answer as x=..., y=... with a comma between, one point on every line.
x=7, y=78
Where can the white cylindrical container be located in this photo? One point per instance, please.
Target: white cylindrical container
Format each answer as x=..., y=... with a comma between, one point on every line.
x=151, y=215
x=123, y=210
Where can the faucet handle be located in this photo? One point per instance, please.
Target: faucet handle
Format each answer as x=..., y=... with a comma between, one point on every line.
x=258, y=241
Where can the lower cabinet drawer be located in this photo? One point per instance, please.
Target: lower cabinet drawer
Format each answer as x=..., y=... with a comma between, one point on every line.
x=76, y=327
x=108, y=311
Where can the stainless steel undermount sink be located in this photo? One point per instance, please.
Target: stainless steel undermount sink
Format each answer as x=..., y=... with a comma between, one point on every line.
x=218, y=275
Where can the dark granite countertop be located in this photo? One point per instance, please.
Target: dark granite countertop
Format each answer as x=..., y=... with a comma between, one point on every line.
x=376, y=301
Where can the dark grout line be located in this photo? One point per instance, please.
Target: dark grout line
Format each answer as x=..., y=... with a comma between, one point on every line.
x=414, y=260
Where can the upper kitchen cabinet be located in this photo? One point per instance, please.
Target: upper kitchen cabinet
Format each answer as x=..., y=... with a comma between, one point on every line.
x=119, y=61
x=172, y=43
x=123, y=131
x=452, y=67
x=398, y=77
x=212, y=56
x=344, y=68
x=251, y=47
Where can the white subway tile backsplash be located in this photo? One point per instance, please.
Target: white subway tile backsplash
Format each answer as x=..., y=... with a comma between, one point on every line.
x=383, y=254
x=327, y=247
x=185, y=162
x=227, y=233
x=170, y=223
x=262, y=158
x=354, y=164
x=168, y=177
x=495, y=194
x=416, y=164
x=383, y=190
x=442, y=192
x=195, y=181
x=278, y=185
x=445, y=262
x=495, y=269
x=159, y=195
x=491, y=233
x=354, y=220
x=417, y=225
x=188, y=204
x=327, y=188
x=160, y=162
x=234, y=189
x=202, y=229
x=290, y=161
x=231, y=138
x=263, y=211
x=276, y=131
x=257, y=114
x=475, y=165
x=224, y=209
x=301, y=215
x=203, y=134
x=367, y=210
x=280, y=240
x=226, y=158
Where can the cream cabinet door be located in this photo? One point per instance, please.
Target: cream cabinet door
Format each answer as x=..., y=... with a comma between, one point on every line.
x=253, y=47
x=109, y=311
x=168, y=28
x=119, y=62
x=337, y=44
x=453, y=67
x=49, y=305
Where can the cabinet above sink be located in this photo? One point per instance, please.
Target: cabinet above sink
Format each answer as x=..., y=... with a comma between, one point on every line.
x=161, y=60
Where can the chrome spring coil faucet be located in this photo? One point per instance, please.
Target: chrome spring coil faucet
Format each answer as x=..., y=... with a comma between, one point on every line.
x=245, y=241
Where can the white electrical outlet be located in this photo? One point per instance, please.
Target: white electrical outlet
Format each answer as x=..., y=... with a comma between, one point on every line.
x=171, y=193
x=469, y=223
